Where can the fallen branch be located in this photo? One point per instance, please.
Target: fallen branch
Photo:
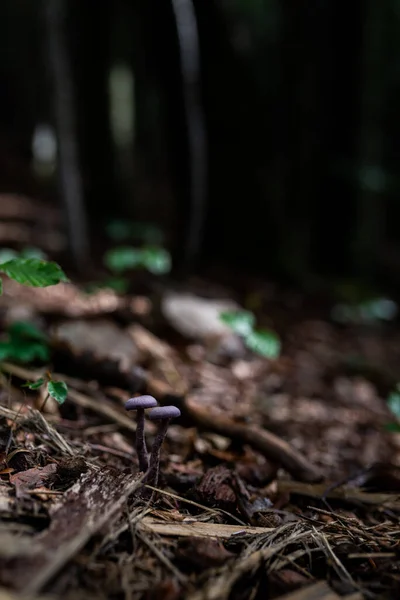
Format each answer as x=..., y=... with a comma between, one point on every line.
x=346, y=493
x=270, y=445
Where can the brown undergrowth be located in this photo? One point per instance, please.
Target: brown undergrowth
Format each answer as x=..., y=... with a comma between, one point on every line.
x=279, y=480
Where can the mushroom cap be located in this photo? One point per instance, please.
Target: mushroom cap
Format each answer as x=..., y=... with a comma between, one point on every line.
x=140, y=402
x=164, y=412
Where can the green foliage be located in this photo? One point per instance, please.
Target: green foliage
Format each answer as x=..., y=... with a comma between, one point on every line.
x=122, y=259
x=241, y=323
x=121, y=230
x=360, y=304
x=24, y=329
x=7, y=254
x=118, y=284
x=24, y=343
x=57, y=390
x=156, y=260
x=33, y=272
x=262, y=341
x=366, y=312
x=153, y=258
x=34, y=385
x=393, y=403
x=31, y=252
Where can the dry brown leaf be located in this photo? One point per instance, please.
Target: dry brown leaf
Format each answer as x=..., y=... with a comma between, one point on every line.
x=31, y=479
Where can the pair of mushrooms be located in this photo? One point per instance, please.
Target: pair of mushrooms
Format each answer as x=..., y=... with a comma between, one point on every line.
x=163, y=414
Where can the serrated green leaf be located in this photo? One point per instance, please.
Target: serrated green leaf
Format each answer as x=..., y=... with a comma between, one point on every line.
x=123, y=258
x=264, y=342
x=394, y=404
x=156, y=260
x=33, y=272
x=58, y=390
x=34, y=385
x=241, y=322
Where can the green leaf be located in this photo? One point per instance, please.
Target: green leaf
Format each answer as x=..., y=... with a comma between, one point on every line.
x=382, y=309
x=123, y=258
x=33, y=272
x=25, y=343
x=121, y=230
x=24, y=329
x=7, y=254
x=58, y=390
x=156, y=260
x=118, y=284
x=34, y=385
x=392, y=427
x=241, y=323
x=394, y=404
x=264, y=342
x=24, y=351
x=31, y=252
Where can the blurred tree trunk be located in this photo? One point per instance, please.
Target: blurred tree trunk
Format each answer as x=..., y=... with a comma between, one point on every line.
x=371, y=169
x=65, y=113
x=89, y=34
x=296, y=177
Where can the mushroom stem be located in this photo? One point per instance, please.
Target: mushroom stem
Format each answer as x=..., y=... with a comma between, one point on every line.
x=154, y=469
x=141, y=447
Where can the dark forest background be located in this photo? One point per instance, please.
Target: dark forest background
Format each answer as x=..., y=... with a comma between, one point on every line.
x=295, y=163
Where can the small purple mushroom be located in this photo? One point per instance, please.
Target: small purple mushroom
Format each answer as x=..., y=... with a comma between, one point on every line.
x=140, y=403
x=164, y=414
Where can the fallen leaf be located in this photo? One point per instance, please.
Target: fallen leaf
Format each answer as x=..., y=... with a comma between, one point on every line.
x=31, y=479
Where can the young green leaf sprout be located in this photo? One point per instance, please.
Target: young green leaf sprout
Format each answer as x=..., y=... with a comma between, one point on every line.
x=140, y=403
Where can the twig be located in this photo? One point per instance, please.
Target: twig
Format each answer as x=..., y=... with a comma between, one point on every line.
x=270, y=445
x=164, y=559
x=193, y=503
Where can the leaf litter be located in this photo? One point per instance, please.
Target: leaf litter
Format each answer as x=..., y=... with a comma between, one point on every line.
x=278, y=481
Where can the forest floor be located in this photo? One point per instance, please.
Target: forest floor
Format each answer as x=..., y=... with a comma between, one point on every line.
x=279, y=480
